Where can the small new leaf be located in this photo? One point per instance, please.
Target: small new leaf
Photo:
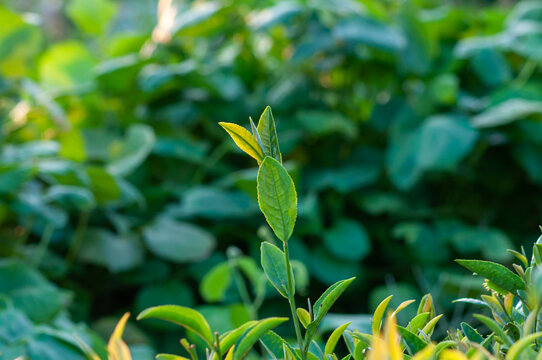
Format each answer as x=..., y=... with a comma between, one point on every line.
x=268, y=135
x=244, y=139
x=304, y=317
x=251, y=336
x=274, y=266
x=326, y=301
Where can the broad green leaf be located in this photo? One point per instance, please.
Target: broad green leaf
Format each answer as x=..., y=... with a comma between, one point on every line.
x=366, y=31
x=328, y=268
x=103, y=185
x=277, y=197
x=280, y=13
x=75, y=197
x=273, y=344
x=491, y=67
x=13, y=177
x=128, y=154
x=92, y=17
x=444, y=141
x=321, y=123
x=344, y=179
x=20, y=327
x=348, y=239
x=253, y=334
x=402, y=160
x=47, y=346
x=496, y=328
x=158, y=293
x=515, y=350
x=30, y=292
x=192, y=19
x=506, y=112
x=215, y=204
x=67, y=66
x=102, y=247
x=72, y=145
x=326, y=301
x=334, y=338
x=497, y=273
x=414, y=343
x=274, y=266
x=177, y=241
x=183, y=316
x=268, y=135
x=244, y=139
x=20, y=43
x=215, y=283
x=379, y=314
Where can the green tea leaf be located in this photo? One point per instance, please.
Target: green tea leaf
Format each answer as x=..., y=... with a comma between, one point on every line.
x=444, y=141
x=92, y=17
x=326, y=301
x=103, y=185
x=20, y=43
x=430, y=326
x=244, y=139
x=506, y=112
x=496, y=328
x=67, y=66
x=496, y=273
x=169, y=357
x=518, y=347
x=251, y=336
x=177, y=241
x=410, y=339
x=418, y=322
x=348, y=240
x=471, y=333
x=102, y=247
x=183, y=316
x=228, y=339
x=76, y=197
x=277, y=197
x=333, y=339
x=268, y=134
x=303, y=316
x=379, y=314
x=215, y=283
x=129, y=153
x=273, y=344
x=274, y=266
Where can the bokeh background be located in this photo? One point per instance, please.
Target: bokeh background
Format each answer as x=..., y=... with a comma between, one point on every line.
x=412, y=128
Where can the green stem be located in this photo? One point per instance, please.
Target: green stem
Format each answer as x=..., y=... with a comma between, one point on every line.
x=29, y=220
x=77, y=238
x=44, y=243
x=217, y=346
x=241, y=286
x=291, y=300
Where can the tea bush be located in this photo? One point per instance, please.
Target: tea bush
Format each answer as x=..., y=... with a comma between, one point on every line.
x=514, y=302
x=412, y=129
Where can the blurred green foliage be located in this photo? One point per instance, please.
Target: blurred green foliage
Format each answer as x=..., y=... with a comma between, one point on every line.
x=412, y=128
